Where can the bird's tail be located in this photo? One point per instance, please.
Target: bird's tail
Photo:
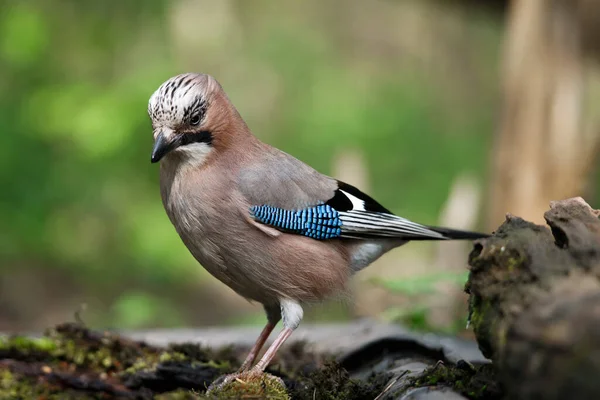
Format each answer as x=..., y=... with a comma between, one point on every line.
x=369, y=225
x=456, y=234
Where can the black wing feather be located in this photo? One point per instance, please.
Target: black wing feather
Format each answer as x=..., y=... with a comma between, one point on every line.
x=341, y=202
x=376, y=221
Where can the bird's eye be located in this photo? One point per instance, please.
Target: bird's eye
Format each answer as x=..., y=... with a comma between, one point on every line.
x=195, y=120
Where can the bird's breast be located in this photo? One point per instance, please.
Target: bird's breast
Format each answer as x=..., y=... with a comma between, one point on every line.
x=209, y=217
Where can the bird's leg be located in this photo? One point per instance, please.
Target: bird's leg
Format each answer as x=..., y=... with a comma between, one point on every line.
x=292, y=313
x=272, y=350
x=262, y=338
x=273, y=316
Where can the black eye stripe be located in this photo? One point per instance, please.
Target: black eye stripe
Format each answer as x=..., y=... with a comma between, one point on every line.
x=196, y=137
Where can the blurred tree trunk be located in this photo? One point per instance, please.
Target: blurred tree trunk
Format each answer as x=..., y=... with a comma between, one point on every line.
x=543, y=150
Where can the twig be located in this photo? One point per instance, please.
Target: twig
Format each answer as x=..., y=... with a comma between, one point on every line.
x=389, y=386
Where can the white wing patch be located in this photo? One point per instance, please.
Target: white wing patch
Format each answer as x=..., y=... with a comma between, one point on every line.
x=362, y=223
x=357, y=204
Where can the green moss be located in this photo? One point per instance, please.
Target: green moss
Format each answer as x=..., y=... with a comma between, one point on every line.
x=26, y=345
x=150, y=363
x=103, y=351
x=11, y=388
x=483, y=317
x=73, y=348
x=223, y=358
x=332, y=382
x=512, y=259
x=193, y=351
x=29, y=348
x=474, y=382
x=108, y=362
x=478, y=309
x=264, y=386
x=86, y=357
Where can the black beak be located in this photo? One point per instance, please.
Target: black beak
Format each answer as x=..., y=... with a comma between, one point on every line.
x=162, y=146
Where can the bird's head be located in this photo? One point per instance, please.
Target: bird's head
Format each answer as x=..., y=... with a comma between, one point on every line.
x=189, y=112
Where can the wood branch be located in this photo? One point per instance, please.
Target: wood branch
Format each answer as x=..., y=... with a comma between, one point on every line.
x=535, y=303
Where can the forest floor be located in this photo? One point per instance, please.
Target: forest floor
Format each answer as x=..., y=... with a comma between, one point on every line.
x=72, y=362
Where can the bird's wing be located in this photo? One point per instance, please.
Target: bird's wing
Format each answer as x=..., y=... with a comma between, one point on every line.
x=287, y=195
x=279, y=180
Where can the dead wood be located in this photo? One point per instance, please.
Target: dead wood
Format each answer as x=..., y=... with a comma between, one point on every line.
x=535, y=303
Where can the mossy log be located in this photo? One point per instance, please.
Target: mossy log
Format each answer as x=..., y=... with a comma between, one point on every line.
x=72, y=362
x=535, y=303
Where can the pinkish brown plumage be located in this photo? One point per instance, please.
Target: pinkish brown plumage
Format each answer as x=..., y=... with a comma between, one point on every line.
x=264, y=223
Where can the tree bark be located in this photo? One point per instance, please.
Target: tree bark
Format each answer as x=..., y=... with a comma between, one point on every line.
x=535, y=303
x=544, y=149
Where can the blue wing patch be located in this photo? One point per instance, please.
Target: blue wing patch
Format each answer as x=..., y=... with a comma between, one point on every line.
x=318, y=222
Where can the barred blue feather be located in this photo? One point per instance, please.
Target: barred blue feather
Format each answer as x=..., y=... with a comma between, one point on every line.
x=318, y=222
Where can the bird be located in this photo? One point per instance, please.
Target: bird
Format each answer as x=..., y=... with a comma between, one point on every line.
x=264, y=223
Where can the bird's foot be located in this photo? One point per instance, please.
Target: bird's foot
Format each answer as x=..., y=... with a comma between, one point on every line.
x=253, y=381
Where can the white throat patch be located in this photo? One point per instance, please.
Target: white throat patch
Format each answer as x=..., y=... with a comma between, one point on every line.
x=194, y=154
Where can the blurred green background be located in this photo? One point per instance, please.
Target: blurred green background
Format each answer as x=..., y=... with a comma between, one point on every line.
x=401, y=97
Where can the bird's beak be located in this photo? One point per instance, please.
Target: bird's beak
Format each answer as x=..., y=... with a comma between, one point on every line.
x=162, y=145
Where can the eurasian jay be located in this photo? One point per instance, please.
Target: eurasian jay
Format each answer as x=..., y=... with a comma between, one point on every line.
x=267, y=225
